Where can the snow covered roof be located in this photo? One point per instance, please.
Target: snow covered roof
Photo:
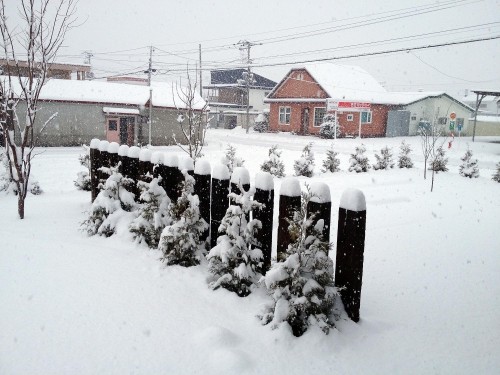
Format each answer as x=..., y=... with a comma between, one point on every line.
x=165, y=94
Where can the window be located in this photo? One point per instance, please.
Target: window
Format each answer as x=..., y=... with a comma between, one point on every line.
x=414, y=117
x=285, y=115
x=112, y=125
x=442, y=120
x=350, y=117
x=319, y=113
x=366, y=117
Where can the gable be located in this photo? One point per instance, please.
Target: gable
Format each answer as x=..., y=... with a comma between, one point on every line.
x=299, y=84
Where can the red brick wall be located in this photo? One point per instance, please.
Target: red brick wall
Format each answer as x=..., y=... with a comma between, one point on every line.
x=299, y=84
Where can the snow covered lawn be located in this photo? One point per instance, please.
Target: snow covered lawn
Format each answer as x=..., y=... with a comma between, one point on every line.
x=70, y=304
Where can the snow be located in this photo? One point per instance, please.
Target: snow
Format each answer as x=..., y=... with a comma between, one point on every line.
x=202, y=167
x=94, y=143
x=113, y=148
x=145, y=154
x=320, y=192
x=93, y=305
x=121, y=111
x=157, y=157
x=103, y=146
x=133, y=152
x=290, y=187
x=240, y=176
x=353, y=200
x=170, y=160
x=220, y=172
x=264, y=181
x=186, y=163
x=123, y=150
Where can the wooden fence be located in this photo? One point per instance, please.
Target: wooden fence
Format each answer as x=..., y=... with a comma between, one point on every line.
x=213, y=186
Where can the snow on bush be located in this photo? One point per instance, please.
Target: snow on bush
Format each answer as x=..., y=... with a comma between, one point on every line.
x=261, y=122
x=404, y=160
x=496, y=175
x=82, y=181
x=439, y=162
x=327, y=127
x=302, y=286
x=110, y=204
x=332, y=162
x=236, y=261
x=384, y=160
x=152, y=215
x=274, y=165
x=305, y=165
x=6, y=182
x=180, y=241
x=231, y=160
x=469, y=168
x=359, y=161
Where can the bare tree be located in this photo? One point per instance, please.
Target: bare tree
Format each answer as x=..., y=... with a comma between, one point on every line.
x=431, y=139
x=37, y=37
x=192, y=119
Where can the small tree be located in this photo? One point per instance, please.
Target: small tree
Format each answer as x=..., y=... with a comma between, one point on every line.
x=384, y=160
x=302, y=285
x=274, y=165
x=82, y=181
x=439, y=161
x=404, y=160
x=469, y=168
x=236, y=261
x=329, y=128
x=153, y=213
x=305, y=165
x=262, y=123
x=231, y=160
x=430, y=133
x=180, y=241
x=496, y=175
x=37, y=36
x=332, y=162
x=112, y=201
x=359, y=161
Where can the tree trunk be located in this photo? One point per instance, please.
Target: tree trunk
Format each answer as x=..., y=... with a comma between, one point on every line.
x=20, y=205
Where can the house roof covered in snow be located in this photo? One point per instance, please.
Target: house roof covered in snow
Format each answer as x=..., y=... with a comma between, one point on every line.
x=228, y=78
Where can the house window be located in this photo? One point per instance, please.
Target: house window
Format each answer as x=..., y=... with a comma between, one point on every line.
x=112, y=125
x=285, y=115
x=442, y=120
x=350, y=117
x=414, y=117
x=319, y=113
x=366, y=117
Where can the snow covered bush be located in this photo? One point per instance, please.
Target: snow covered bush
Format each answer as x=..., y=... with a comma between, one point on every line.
x=113, y=200
x=180, y=241
x=274, y=165
x=327, y=127
x=384, y=160
x=302, y=285
x=439, y=162
x=496, y=175
x=231, y=160
x=261, y=122
x=305, y=165
x=236, y=261
x=153, y=213
x=469, y=168
x=82, y=181
x=8, y=185
x=404, y=160
x=359, y=161
x=332, y=162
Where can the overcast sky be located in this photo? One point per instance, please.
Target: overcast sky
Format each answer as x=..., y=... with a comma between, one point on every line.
x=119, y=32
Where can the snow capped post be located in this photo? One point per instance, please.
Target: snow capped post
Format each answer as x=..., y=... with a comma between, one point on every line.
x=202, y=177
x=113, y=154
x=220, y=202
x=290, y=199
x=350, y=250
x=94, y=165
x=103, y=160
x=145, y=165
x=171, y=175
x=132, y=170
x=264, y=193
x=156, y=161
x=320, y=205
x=122, y=157
x=186, y=163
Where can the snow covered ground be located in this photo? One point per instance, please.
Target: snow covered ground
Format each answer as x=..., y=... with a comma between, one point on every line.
x=430, y=298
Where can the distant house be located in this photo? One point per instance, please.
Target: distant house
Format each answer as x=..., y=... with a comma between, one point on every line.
x=55, y=70
x=299, y=102
x=113, y=111
x=227, y=97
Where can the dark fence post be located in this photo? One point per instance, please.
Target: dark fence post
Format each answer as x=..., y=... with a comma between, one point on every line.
x=113, y=154
x=145, y=166
x=133, y=169
x=289, y=203
x=103, y=161
x=240, y=177
x=220, y=201
x=156, y=161
x=202, y=177
x=122, y=157
x=264, y=193
x=350, y=250
x=320, y=206
x=94, y=165
x=172, y=176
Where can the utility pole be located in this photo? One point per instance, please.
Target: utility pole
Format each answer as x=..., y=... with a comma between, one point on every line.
x=149, y=71
x=247, y=76
x=87, y=56
x=201, y=84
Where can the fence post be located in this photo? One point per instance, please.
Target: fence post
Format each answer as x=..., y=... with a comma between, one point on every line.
x=320, y=205
x=350, y=250
x=145, y=165
x=172, y=176
x=156, y=161
x=94, y=165
x=186, y=163
x=122, y=157
x=103, y=161
x=202, y=177
x=113, y=148
x=220, y=201
x=264, y=193
x=289, y=203
x=133, y=169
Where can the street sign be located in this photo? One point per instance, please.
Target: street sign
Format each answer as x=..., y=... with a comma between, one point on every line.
x=348, y=106
x=459, y=127
x=452, y=125
x=453, y=115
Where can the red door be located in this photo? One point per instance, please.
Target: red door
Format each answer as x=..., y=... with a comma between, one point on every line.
x=112, y=133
